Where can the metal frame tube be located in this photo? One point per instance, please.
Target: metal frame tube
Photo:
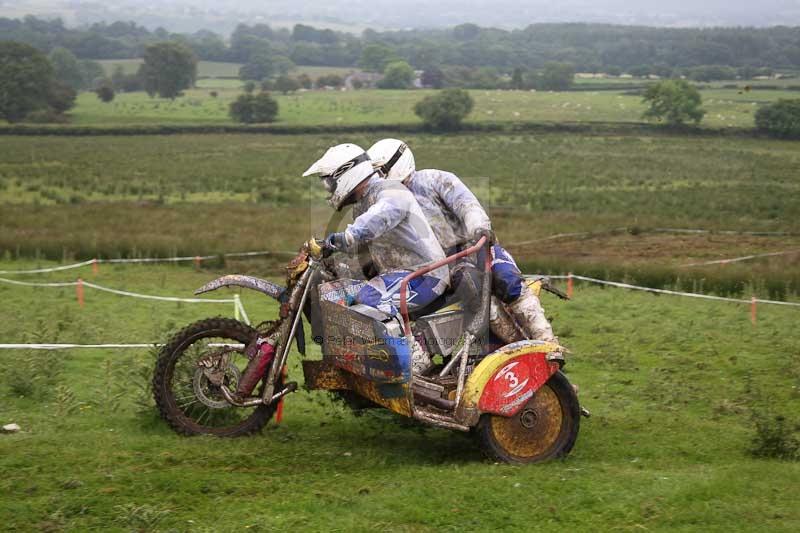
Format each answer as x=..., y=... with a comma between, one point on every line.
x=278, y=363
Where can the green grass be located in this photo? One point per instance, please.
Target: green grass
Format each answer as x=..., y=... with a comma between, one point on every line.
x=672, y=384
x=726, y=107
x=728, y=183
x=205, y=69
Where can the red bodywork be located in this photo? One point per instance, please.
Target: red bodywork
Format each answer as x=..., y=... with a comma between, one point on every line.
x=513, y=384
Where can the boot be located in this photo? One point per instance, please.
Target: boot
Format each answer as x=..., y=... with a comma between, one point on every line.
x=503, y=325
x=529, y=314
x=420, y=360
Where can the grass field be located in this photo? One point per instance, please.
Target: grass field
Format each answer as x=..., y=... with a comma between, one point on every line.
x=205, y=69
x=84, y=197
x=725, y=107
x=673, y=385
x=218, y=74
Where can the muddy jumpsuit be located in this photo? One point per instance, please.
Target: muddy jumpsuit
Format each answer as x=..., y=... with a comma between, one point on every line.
x=390, y=222
x=455, y=214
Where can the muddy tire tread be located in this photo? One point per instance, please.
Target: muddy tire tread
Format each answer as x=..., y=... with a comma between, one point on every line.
x=563, y=389
x=226, y=327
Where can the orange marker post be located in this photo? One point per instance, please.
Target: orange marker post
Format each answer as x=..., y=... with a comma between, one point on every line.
x=79, y=292
x=569, y=285
x=753, y=310
x=197, y=261
x=95, y=268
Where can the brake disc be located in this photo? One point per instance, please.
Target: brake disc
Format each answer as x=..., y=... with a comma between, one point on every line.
x=210, y=394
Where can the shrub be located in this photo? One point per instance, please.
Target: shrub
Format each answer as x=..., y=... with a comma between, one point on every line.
x=105, y=93
x=330, y=80
x=445, y=110
x=251, y=108
x=397, y=75
x=674, y=101
x=781, y=119
x=286, y=85
x=775, y=438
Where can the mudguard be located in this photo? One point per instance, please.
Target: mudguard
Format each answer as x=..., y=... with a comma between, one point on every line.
x=505, y=379
x=263, y=286
x=249, y=282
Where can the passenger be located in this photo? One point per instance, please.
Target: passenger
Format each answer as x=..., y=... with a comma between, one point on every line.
x=391, y=224
x=458, y=219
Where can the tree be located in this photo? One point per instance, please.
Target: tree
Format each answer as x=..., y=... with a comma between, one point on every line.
x=118, y=76
x=305, y=81
x=397, y=75
x=168, y=69
x=556, y=77
x=67, y=69
x=286, y=85
x=258, y=68
x=674, y=101
x=330, y=80
x=105, y=93
x=517, y=80
x=432, y=77
x=780, y=119
x=375, y=57
x=282, y=65
x=251, y=108
x=26, y=80
x=445, y=110
x=60, y=97
x=91, y=71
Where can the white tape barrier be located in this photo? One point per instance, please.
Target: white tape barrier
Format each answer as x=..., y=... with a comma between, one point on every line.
x=739, y=259
x=94, y=346
x=725, y=232
x=146, y=260
x=675, y=293
x=121, y=293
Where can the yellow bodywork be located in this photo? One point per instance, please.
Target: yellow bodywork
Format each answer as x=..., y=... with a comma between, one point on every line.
x=492, y=363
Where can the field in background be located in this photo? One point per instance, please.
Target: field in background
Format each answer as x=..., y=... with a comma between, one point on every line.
x=672, y=383
x=83, y=197
x=221, y=69
x=205, y=69
x=726, y=107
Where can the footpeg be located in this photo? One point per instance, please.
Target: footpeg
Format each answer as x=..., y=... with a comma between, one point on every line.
x=289, y=387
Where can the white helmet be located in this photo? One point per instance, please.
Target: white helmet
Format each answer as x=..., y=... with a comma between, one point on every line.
x=393, y=158
x=341, y=170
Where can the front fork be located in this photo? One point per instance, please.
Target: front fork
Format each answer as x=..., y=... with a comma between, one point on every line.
x=286, y=334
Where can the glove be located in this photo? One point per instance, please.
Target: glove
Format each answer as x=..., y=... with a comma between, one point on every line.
x=484, y=232
x=336, y=241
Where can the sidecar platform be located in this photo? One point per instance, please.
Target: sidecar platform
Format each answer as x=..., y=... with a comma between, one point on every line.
x=364, y=350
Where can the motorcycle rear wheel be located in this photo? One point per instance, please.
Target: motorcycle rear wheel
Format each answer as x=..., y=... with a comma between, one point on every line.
x=178, y=385
x=545, y=428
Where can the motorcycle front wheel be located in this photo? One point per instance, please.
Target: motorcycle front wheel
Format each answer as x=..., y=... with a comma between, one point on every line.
x=187, y=400
x=545, y=428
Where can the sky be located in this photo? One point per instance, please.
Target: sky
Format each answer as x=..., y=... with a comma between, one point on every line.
x=356, y=15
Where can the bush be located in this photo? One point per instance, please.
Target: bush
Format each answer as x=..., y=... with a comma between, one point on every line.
x=105, y=93
x=445, y=110
x=286, y=85
x=781, y=119
x=330, y=80
x=674, y=101
x=251, y=108
x=775, y=437
x=397, y=75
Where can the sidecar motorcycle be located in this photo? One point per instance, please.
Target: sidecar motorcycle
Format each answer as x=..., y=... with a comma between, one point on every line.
x=223, y=377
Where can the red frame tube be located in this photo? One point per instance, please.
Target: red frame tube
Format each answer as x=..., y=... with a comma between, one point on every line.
x=433, y=266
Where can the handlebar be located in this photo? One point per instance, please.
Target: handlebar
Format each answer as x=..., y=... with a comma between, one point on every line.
x=433, y=266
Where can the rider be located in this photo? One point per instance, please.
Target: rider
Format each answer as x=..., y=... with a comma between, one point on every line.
x=458, y=218
x=391, y=224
